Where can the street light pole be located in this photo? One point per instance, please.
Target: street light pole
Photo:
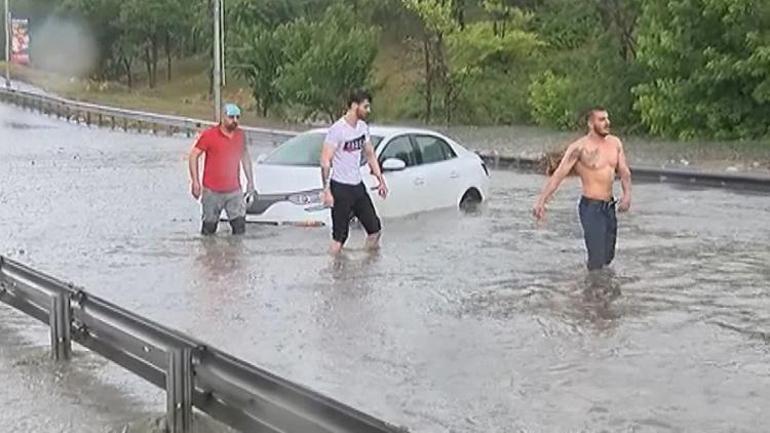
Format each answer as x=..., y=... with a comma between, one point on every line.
x=217, y=63
x=7, y=27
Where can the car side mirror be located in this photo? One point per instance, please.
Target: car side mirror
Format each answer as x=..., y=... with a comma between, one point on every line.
x=261, y=157
x=393, y=164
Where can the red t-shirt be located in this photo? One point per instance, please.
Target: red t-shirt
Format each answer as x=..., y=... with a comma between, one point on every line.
x=221, y=171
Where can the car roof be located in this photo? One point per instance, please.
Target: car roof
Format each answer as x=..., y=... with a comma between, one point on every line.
x=386, y=131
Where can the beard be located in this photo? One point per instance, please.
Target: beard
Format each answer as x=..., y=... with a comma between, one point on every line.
x=600, y=132
x=231, y=127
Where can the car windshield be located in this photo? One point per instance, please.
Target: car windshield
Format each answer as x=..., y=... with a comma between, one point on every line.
x=304, y=150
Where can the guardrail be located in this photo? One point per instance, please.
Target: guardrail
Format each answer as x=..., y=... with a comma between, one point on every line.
x=236, y=393
x=128, y=120
x=746, y=182
x=141, y=121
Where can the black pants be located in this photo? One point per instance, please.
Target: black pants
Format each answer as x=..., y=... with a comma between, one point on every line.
x=350, y=201
x=600, y=229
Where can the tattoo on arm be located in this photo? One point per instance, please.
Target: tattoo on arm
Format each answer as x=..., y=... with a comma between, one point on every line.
x=325, y=176
x=326, y=164
x=575, y=155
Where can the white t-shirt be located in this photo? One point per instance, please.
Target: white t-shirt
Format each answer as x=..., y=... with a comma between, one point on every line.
x=348, y=143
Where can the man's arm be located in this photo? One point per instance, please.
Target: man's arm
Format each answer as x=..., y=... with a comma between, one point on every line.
x=247, y=168
x=571, y=155
x=327, y=152
x=195, y=155
x=374, y=165
x=625, y=178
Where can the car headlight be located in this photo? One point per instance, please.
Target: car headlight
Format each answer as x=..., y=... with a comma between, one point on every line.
x=306, y=198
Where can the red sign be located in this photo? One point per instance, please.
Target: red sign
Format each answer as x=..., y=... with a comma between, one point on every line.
x=20, y=41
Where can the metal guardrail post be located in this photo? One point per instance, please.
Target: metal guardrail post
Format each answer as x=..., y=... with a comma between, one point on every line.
x=61, y=327
x=179, y=386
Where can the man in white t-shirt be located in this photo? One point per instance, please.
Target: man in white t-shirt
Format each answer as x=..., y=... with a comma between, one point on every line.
x=344, y=189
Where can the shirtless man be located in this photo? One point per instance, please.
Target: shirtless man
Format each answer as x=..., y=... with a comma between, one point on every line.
x=596, y=157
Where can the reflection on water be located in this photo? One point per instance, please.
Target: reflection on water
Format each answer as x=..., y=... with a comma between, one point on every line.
x=598, y=290
x=220, y=257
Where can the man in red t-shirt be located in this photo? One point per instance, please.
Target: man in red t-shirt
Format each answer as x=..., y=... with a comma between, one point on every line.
x=226, y=152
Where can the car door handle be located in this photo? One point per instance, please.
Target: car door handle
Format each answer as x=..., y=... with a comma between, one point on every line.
x=454, y=175
x=419, y=181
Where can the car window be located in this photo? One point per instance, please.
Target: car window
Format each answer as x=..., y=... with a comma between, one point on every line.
x=401, y=148
x=433, y=149
x=376, y=139
x=305, y=150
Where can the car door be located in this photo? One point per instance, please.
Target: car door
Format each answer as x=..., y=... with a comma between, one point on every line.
x=438, y=165
x=404, y=185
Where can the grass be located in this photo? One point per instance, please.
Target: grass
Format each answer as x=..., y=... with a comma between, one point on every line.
x=185, y=95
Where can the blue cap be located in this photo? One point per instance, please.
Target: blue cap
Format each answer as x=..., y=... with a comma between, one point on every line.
x=232, y=110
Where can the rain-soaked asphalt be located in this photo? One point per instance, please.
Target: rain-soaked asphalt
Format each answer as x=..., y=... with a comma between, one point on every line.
x=462, y=323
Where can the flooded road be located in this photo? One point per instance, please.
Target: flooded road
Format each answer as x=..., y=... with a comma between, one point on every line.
x=462, y=323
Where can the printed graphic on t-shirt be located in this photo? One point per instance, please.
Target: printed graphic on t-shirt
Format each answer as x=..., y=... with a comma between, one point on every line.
x=354, y=144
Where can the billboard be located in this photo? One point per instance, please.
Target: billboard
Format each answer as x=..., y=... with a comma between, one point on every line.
x=20, y=41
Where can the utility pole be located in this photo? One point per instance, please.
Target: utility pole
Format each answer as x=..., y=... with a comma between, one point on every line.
x=7, y=27
x=223, y=54
x=217, y=63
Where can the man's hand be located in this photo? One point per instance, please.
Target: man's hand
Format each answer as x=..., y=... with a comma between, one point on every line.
x=382, y=189
x=196, y=190
x=538, y=210
x=625, y=204
x=328, y=198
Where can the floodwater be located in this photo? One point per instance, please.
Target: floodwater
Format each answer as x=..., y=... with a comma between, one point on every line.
x=474, y=323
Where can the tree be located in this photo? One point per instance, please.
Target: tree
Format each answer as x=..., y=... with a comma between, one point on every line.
x=590, y=60
x=258, y=57
x=474, y=64
x=708, y=63
x=489, y=71
x=176, y=19
x=324, y=59
x=437, y=22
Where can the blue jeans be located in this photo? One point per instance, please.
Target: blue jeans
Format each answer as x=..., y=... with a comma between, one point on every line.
x=600, y=230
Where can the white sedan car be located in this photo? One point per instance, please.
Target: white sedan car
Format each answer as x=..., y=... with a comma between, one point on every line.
x=424, y=170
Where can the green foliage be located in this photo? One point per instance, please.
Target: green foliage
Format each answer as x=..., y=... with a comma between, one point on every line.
x=477, y=46
x=257, y=55
x=676, y=68
x=554, y=100
x=476, y=73
x=493, y=72
x=589, y=61
x=325, y=59
x=708, y=64
x=129, y=30
x=307, y=65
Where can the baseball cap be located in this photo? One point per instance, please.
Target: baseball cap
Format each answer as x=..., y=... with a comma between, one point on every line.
x=232, y=110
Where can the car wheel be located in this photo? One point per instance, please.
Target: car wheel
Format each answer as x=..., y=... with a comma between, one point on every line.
x=471, y=200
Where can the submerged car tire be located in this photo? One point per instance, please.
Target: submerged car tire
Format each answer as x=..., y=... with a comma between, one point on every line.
x=471, y=200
